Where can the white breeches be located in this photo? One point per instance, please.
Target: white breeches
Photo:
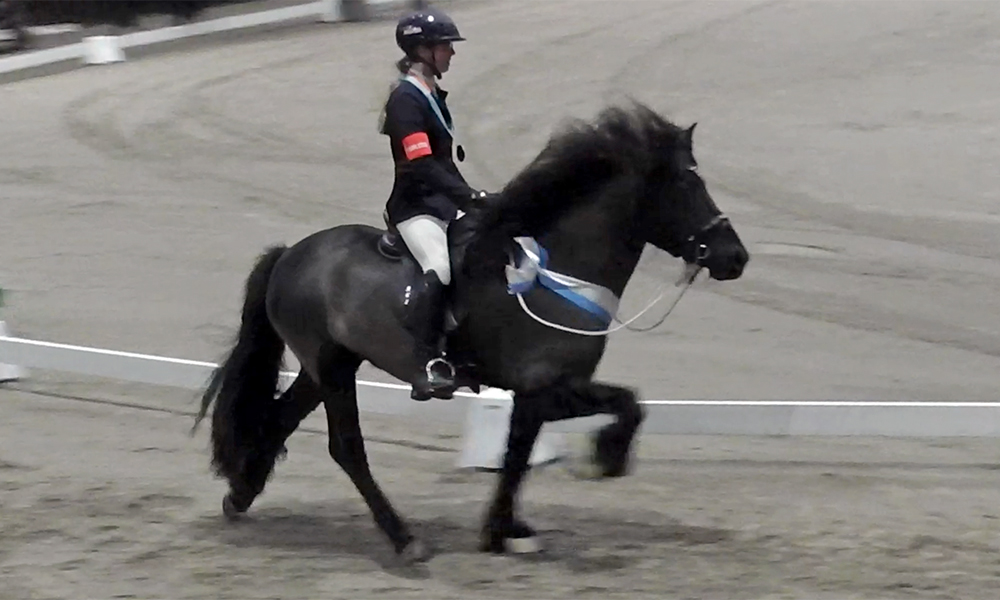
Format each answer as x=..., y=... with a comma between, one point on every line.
x=427, y=239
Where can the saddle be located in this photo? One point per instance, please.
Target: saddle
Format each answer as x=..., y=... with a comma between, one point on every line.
x=391, y=245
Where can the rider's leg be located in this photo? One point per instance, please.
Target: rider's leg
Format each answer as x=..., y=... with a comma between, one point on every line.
x=427, y=239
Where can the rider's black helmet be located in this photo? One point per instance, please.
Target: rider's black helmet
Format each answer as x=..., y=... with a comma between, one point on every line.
x=425, y=27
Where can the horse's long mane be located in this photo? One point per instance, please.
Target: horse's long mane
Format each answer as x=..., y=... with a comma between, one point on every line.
x=621, y=141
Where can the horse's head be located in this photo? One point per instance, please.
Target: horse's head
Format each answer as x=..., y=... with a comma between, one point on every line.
x=680, y=216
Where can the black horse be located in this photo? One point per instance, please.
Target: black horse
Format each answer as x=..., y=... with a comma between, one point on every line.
x=595, y=195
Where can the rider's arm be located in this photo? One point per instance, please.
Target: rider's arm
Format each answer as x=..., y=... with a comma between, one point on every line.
x=405, y=123
x=430, y=171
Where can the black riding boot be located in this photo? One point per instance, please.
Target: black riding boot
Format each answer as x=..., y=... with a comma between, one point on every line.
x=426, y=321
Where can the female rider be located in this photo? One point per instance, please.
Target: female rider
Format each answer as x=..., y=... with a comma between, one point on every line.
x=428, y=189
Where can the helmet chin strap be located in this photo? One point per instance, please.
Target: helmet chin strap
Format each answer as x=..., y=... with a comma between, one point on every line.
x=433, y=67
x=418, y=60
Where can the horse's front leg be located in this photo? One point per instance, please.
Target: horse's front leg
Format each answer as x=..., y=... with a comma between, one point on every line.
x=612, y=445
x=503, y=532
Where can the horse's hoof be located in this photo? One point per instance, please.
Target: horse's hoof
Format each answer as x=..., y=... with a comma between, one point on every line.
x=230, y=510
x=519, y=539
x=415, y=552
x=511, y=545
x=525, y=545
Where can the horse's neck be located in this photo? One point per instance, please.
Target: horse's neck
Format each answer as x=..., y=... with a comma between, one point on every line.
x=596, y=243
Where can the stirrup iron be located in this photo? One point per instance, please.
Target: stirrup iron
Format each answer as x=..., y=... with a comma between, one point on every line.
x=429, y=368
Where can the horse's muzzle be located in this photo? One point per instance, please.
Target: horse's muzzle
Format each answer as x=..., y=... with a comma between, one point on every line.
x=727, y=264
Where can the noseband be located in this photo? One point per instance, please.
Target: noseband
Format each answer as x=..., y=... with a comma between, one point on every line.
x=695, y=249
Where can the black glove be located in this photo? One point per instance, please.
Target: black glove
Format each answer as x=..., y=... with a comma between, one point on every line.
x=482, y=198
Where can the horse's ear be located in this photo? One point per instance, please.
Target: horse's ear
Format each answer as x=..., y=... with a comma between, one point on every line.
x=689, y=135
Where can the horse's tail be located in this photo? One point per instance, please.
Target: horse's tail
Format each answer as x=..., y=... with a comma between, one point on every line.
x=244, y=385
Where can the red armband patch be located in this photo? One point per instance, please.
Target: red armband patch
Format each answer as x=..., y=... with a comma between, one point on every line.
x=416, y=145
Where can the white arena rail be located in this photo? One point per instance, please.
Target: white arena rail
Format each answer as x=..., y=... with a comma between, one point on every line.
x=691, y=417
x=109, y=49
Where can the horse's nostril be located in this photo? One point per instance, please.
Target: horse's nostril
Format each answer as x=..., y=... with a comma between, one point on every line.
x=742, y=258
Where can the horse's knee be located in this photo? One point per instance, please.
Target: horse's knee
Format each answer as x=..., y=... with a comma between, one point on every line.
x=626, y=407
x=634, y=414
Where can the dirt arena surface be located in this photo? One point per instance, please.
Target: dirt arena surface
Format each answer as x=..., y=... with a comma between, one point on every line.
x=854, y=145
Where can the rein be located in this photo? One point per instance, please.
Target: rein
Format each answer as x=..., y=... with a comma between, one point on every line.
x=686, y=280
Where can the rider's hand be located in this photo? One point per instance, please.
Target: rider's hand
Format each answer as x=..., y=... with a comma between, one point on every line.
x=482, y=198
x=475, y=211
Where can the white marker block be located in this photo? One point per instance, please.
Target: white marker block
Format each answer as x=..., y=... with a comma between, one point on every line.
x=484, y=438
x=9, y=372
x=102, y=50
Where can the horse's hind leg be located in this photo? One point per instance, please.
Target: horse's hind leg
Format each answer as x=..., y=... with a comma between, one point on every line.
x=347, y=447
x=295, y=404
x=503, y=531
